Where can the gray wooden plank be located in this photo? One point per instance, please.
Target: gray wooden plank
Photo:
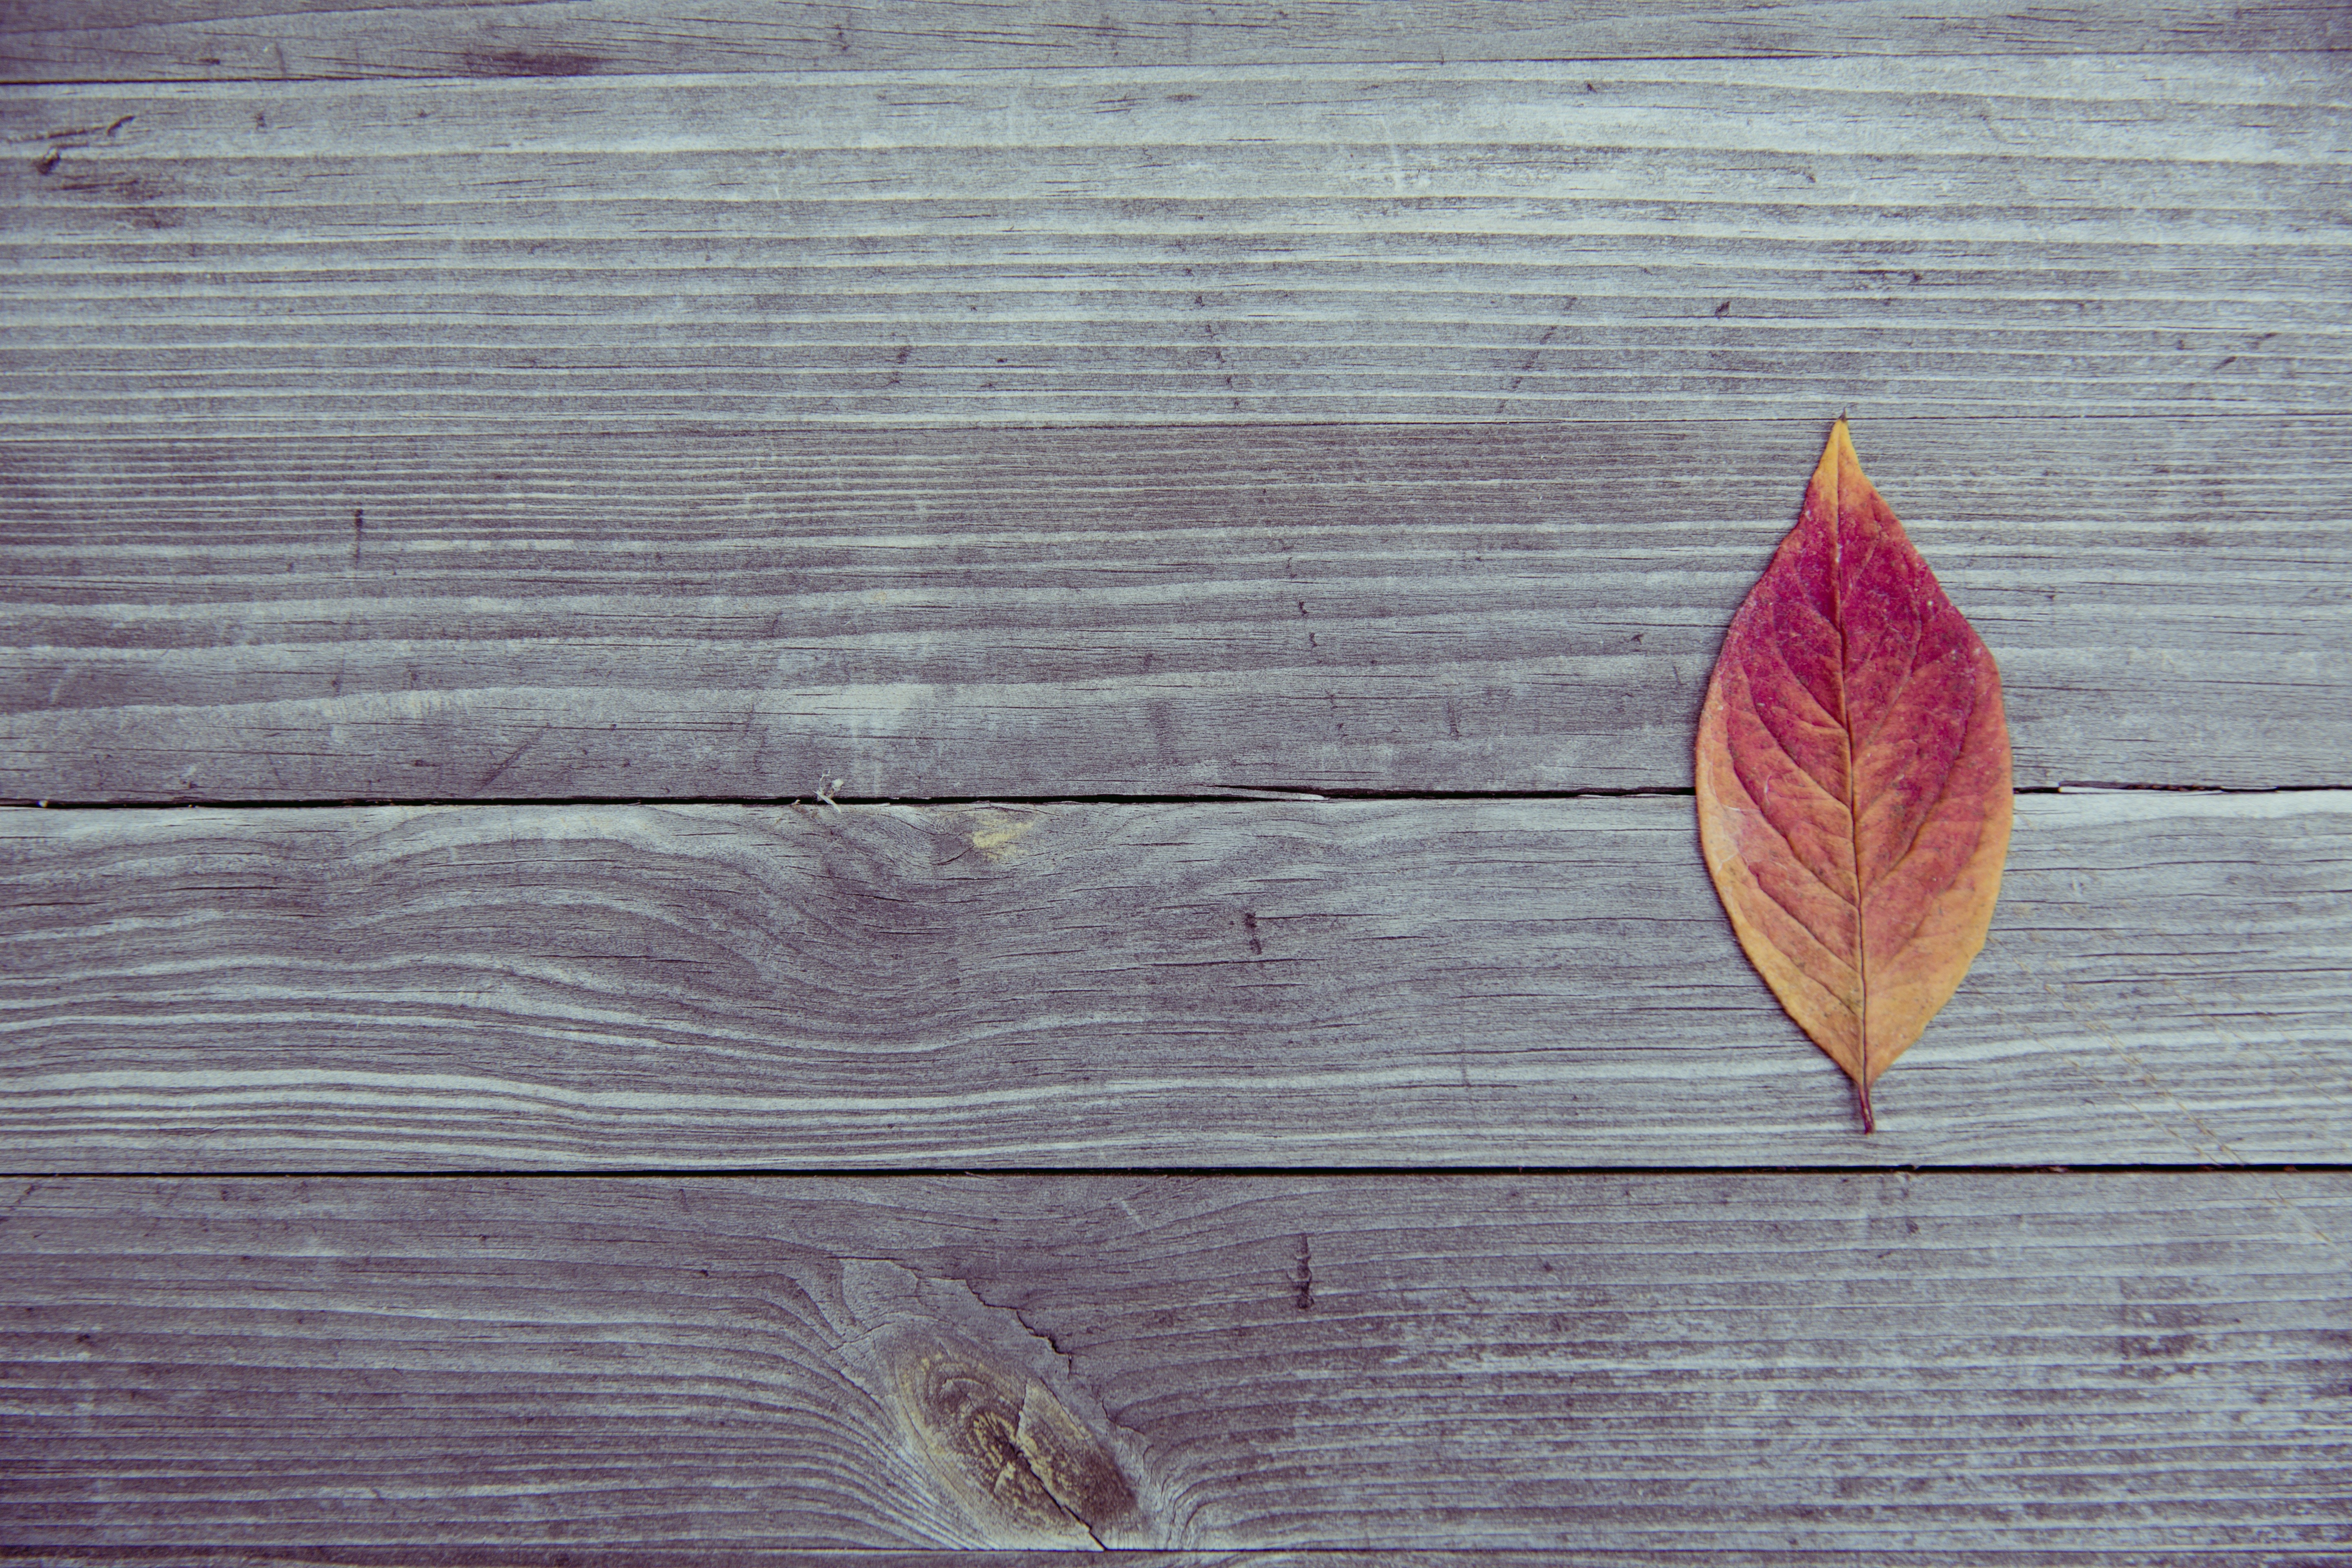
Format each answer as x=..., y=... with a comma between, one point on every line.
x=2130, y=234
x=925, y=614
x=1938, y=1367
x=1124, y=1557
x=1341, y=1557
x=1247, y=985
x=108, y=40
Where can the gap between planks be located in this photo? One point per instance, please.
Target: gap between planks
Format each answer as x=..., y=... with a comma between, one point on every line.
x=1234, y=795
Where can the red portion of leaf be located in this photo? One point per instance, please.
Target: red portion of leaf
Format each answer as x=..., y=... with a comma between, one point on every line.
x=1854, y=777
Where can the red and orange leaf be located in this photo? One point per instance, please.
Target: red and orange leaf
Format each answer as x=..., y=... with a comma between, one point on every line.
x=1853, y=778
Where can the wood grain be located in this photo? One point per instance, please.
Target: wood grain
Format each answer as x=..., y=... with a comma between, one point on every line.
x=1638, y=240
x=937, y=401
x=1252, y=984
x=113, y=41
x=1819, y=1368
x=936, y=612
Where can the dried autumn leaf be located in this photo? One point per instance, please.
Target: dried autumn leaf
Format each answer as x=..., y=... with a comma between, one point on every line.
x=1853, y=778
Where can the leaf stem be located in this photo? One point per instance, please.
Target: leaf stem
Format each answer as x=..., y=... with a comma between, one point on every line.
x=1862, y=1094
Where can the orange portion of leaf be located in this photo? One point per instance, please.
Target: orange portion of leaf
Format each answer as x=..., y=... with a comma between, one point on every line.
x=1853, y=778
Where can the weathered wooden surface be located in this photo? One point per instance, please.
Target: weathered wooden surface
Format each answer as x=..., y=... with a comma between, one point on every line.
x=935, y=612
x=1341, y=1557
x=1261, y=983
x=676, y=437
x=1679, y=239
x=53, y=40
x=1811, y=1366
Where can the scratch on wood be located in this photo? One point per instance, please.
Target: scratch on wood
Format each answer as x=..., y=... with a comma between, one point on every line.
x=75, y=134
x=493, y=775
x=527, y=62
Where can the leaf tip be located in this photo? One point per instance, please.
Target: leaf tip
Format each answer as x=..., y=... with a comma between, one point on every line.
x=1839, y=461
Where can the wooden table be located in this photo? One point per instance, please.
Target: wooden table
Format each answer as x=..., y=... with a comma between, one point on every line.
x=862, y=784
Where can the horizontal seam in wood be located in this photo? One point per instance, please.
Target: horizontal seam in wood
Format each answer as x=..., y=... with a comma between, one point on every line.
x=1189, y=1172
x=1271, y=795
